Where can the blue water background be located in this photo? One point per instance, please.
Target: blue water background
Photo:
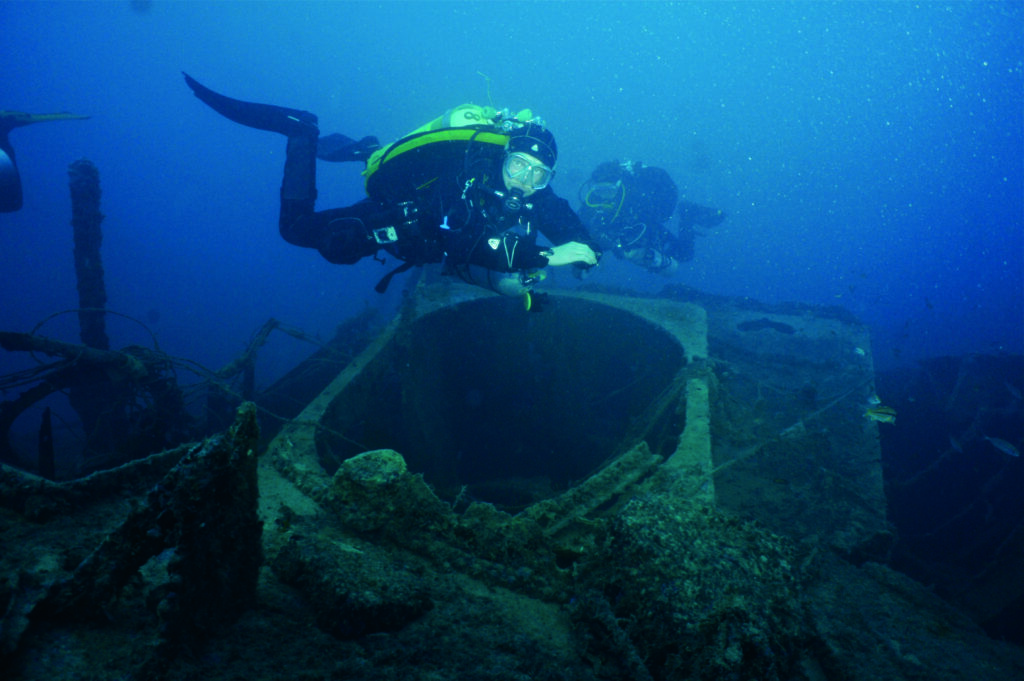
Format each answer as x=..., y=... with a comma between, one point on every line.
x=869, y=155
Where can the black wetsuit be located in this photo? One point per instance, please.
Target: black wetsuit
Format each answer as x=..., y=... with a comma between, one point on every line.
x=443, y=203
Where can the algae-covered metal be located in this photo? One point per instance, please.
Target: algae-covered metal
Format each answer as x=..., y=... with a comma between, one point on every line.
x=611, y=487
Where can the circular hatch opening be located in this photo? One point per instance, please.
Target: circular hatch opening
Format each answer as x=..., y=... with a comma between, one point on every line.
x=497, y=404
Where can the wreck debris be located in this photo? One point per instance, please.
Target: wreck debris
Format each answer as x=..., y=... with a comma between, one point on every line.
x=204, y=510
x=356, y=588
x=30, y=551
x=111, y=365
x=142, y=409
x=718, y=594
x=635, y=569
x=619, y=476
x=143, y=396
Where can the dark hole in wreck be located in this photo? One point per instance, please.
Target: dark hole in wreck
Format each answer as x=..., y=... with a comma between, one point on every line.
x=509, y=406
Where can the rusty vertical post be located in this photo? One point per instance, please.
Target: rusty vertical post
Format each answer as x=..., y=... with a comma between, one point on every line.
x=86, y=219
x=89, y=400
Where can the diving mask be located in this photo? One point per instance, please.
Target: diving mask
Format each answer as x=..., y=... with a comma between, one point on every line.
x=604, y=196
x=527, y=171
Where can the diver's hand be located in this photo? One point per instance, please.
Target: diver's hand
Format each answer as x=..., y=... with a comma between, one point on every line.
x=571, y=252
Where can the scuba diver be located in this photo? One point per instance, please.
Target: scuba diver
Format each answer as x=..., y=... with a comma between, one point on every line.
x=626, y=206
x=10, y=179
x=469, y=189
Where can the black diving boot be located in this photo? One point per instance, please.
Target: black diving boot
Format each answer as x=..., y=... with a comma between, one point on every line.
x=298, y=187
x=260, y=116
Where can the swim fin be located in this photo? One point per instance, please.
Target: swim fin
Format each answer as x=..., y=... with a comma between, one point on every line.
x=260, y=116
x=16, y=119
x=338, y=148
x=10, y=180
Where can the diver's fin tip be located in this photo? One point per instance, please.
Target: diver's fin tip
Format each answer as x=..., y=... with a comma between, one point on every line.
x=255, y=115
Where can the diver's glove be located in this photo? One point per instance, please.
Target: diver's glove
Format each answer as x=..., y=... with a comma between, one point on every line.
x=571, y=252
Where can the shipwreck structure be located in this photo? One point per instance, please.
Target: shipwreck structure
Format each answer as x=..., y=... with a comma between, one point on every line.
x=615, y=487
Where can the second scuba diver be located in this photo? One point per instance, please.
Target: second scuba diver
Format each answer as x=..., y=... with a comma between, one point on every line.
x=626, y=206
